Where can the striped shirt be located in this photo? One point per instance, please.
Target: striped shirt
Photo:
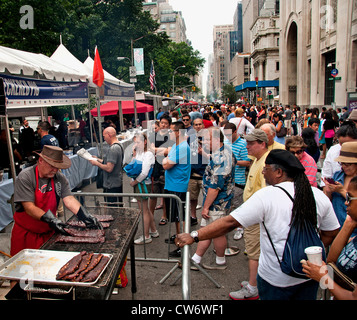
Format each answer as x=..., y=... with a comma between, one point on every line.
x=310, y=168
x=239, y=149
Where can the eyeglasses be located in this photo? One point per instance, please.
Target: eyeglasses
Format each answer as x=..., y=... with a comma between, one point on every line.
x=345, y=164
x=185, y=119
x=349, y=198
x=297, y=152
x=266, y=168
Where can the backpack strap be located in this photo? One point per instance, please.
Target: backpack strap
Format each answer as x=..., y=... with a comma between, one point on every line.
x=272, y=244
x=122, y=153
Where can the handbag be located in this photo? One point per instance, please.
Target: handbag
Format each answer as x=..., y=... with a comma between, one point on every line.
x=341, y=279
x=282, y=133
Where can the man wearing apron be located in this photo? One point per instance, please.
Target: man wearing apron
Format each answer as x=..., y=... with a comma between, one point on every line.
x=38, y=190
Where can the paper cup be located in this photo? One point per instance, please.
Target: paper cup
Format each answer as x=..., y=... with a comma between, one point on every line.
x=314, y=255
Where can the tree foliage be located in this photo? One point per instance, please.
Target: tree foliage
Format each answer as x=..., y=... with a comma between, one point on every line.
x=108, y=24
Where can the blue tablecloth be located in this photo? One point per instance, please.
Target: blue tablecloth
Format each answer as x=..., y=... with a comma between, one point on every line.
x=6, y=191
x=80, y=170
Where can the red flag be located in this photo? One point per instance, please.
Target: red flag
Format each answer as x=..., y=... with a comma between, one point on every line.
x=98, y=73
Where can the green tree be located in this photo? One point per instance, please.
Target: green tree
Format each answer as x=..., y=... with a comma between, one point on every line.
x=229, y=93
x=169, y=58
x=109, y=24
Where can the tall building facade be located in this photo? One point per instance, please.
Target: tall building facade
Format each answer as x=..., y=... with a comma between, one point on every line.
x=171, y=21
x=318, y=52
x=221, y=53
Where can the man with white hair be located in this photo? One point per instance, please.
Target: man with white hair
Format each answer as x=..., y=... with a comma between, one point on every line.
x=270, y=131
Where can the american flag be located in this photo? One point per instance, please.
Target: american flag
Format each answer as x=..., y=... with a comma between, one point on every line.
x=152, y=76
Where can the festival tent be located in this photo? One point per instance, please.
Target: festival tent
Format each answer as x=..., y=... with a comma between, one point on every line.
x=28, y=63
x=112, y=89
x=112, y=108
x=31, y=80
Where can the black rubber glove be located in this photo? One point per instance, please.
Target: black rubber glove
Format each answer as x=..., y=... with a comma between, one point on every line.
x=55, y=223
x=88, y=219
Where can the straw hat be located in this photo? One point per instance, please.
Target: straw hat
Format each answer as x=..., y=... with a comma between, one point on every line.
x=348, y=153
x=55, y=157
x=353, y=115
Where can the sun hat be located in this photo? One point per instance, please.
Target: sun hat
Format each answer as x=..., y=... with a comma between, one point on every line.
x=256, y=134
x=353, y=115
x=348, y=153
x=55, y=157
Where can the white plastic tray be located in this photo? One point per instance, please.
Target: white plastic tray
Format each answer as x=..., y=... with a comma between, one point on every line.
x=41, y=266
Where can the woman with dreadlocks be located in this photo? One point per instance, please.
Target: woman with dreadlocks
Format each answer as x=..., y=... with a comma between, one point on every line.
x=273, y=207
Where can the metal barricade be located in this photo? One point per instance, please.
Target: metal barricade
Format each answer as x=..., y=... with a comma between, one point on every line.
x=185, y=256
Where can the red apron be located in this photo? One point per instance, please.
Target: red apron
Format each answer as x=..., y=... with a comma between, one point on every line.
x=28, y=232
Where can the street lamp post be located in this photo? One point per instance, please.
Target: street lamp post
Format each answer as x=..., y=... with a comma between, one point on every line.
x=173, y=79
x=132, y=65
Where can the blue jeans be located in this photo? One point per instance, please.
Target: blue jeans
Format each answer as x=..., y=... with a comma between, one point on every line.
x=304, y=291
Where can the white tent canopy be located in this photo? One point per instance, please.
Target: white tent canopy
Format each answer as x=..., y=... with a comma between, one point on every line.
x=27, y=63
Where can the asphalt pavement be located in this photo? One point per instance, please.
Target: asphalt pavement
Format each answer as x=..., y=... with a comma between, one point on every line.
x=161, y=279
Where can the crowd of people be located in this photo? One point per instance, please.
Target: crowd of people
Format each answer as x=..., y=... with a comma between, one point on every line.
x=234, y=155
x=244, y=160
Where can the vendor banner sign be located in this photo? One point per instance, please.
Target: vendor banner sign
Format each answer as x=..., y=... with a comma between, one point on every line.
x=27, y=92
x=114, y=92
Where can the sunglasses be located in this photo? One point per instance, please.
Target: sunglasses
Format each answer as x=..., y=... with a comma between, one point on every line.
x=297, y=152
x=349, y=198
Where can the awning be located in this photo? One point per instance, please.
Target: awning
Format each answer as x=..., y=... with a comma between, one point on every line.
x=251, y=85
x=112, y=88
x=27, y=63
x=112, y=108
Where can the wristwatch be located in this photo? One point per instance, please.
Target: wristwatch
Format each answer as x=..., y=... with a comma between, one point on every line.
x=194, y=235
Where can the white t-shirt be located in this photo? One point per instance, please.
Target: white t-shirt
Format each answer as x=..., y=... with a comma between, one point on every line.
x=243, y=125
x=148, y=160
x=274, y=207
x=331, y=166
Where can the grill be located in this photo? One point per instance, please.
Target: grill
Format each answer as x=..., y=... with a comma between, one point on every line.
x=118, y=240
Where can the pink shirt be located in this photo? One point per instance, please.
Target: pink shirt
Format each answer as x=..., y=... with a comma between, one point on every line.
x=310, y=168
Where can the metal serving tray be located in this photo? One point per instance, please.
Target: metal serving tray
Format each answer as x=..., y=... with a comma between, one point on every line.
x=41, y=266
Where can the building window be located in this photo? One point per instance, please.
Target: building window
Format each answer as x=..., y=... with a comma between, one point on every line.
x=277, y=66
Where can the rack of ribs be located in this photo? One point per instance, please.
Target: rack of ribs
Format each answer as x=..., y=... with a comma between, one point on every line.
x=95, y=272
x=82, y=236
x=71, y=266
x=84, y=267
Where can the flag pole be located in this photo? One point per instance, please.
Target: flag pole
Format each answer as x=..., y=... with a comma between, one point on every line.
x=132, y=64
x=98, y=79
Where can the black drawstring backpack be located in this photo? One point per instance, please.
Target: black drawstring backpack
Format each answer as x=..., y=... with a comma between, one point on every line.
x=301, y=235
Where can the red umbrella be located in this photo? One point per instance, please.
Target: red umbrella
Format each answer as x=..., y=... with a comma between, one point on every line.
x=112, y=108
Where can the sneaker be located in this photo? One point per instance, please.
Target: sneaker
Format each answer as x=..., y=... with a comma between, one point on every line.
x=214, y=266
x=244, y=293
x=154, y=234
x=176, y=253
x=140, y=240
x=194, y=268
x=171, y=240
x=238, y=234
x=193, y=221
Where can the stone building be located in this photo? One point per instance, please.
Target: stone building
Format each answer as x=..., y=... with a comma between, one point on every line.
x=317, y=39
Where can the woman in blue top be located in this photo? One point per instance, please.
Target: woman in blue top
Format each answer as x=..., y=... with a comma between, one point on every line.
x=336, y=190
x=279, y=124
